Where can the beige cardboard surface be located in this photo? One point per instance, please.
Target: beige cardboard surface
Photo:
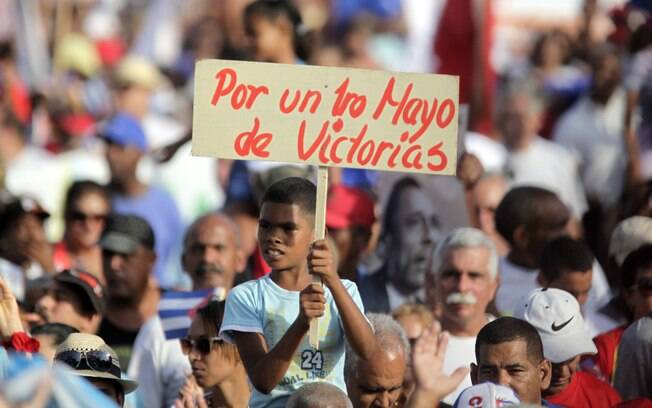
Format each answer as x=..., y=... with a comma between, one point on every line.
x=326, y=116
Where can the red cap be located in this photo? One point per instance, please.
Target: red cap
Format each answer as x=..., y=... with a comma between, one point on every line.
x=349, y=206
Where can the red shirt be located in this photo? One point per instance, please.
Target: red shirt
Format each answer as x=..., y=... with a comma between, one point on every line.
x=62, y=258
x=586, y=391
x=603, y=364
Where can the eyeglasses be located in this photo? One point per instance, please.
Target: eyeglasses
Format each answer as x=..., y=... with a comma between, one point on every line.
x=643, y=285
x=202, y=344
x=95, y=360
x=80, y=216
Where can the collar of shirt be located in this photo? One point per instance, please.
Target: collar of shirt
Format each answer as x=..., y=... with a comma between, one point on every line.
x=397, y=299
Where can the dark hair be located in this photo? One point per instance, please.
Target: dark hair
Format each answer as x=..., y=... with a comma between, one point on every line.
x=536, y=56
x=274, y=9
x=86, y=304
x=389, y=217
x=565, y=252
x=529, y=206
x=506, y=329
x=292, y=190
x=59, y=331
x=635, y=261
x=212, y=315
x=79, y=189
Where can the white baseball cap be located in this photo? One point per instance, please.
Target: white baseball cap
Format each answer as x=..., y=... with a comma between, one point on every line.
x=629, y=235
x=486, y=395
x=556, y=316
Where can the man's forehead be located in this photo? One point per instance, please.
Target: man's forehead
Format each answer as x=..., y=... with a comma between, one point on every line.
x=385, y=363
x=217, y=229
x=508, y=352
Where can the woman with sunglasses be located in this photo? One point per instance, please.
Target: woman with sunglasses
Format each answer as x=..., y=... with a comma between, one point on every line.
x=216, y=365
x=86, y=208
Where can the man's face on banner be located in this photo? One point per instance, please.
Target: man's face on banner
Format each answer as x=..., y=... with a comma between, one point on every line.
x=416, y=231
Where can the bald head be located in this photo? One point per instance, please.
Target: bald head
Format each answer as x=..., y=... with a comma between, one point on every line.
x=378, y=381
x=211, y=252
x=487, y=193
x=319, y=395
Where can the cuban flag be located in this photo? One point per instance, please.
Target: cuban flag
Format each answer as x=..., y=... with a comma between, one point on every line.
x=177, y=309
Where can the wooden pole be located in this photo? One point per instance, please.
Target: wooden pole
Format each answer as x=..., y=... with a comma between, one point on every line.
x=320, y=233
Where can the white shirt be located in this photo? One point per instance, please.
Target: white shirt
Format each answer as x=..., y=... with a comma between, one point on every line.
x=158, y=365
x=35, y=173
x=460, y=353
x=594, y=133
x=13, y=275
x=396, y=299
x=515, y=282
x=549, y=165
x=422, y=18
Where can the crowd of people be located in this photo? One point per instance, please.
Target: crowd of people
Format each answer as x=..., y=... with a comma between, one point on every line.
x=135, y=274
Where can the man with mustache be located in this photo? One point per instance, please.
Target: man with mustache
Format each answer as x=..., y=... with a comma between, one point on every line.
x=212, y=257
x=461, y=282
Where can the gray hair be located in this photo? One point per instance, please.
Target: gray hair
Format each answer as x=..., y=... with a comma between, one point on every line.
x=389, y=335
x=526, y=87
x=319, y=395
x=465, y=238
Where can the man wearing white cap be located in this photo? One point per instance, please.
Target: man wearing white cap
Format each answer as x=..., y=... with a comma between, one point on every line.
x=556, y=316
x=487, y=395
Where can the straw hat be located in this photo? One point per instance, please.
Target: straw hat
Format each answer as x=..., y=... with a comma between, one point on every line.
x=85, y=342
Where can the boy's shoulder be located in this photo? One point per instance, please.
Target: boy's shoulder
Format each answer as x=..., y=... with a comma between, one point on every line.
x=246, y=289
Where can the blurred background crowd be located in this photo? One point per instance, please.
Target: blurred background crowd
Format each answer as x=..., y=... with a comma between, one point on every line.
x=96, y=120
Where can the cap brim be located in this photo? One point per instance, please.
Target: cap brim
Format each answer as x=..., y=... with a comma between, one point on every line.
x=127, y=384
x=117, y=242
x=74, y=281
x=558, y=349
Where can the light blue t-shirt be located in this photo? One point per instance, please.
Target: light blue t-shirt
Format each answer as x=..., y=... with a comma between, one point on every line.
x=261, y=306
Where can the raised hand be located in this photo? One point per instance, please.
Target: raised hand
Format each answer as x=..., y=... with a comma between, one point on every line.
x=427, y=362
x=9, y=313
x=190, y=395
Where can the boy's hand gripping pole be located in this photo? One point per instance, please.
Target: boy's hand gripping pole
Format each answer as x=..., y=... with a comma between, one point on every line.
x=320, y=232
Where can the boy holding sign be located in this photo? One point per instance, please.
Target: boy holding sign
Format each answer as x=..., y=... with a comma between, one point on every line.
x=268, y=319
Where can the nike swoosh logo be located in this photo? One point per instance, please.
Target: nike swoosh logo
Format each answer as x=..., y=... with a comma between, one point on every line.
x=554, y=327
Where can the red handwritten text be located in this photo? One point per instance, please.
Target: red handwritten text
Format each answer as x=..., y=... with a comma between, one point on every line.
x=243, y=95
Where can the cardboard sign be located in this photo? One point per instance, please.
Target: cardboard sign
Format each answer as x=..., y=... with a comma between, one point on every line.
x=326, y=116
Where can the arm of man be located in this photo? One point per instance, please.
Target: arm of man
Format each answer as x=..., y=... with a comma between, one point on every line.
x=356, y=327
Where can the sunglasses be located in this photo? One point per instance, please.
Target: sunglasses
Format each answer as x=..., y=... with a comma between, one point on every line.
x=644, y=285
x=202, y=344
x=80, y=216
x=95, y=360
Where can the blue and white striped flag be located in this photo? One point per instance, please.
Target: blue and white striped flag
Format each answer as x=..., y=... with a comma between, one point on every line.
x=176, y=309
